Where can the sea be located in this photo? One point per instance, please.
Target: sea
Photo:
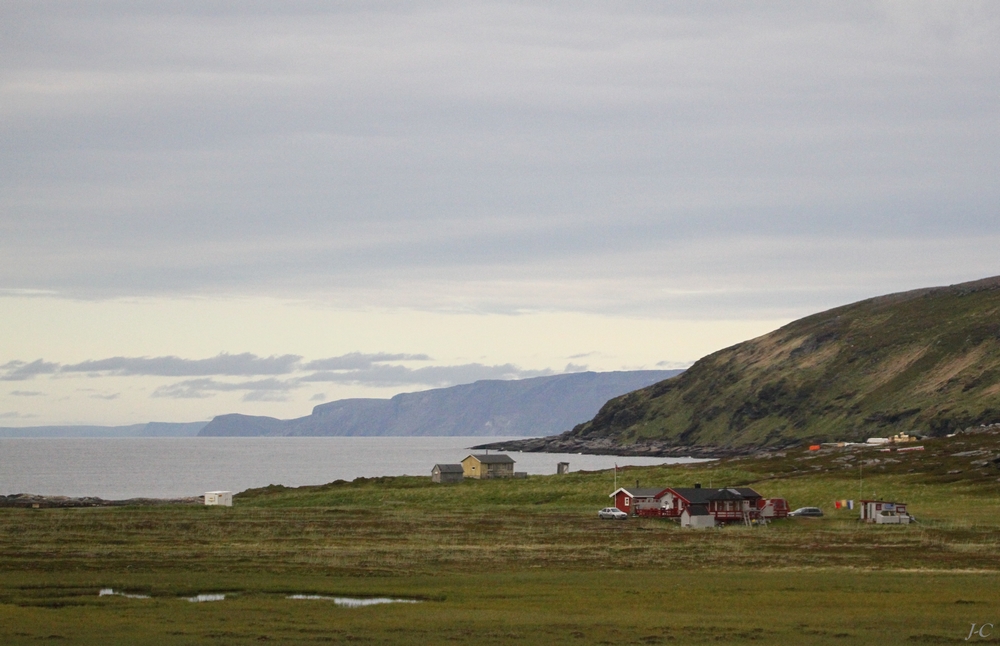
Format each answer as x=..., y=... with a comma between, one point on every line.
x=176, y=467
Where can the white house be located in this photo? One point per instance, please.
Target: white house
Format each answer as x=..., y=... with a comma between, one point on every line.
x=223, y=498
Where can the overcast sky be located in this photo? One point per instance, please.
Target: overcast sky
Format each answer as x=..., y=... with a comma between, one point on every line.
x=212, y=207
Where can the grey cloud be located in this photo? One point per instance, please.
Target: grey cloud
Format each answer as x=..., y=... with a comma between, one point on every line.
x=202, y=388
x=297, y=146
x=27, y=393
x=110, y=397
x=265, y=396
x=358, y=360
x=21, y=371
x=674, y=365
x=383, y=375
x=244, y=364
x=15, y=415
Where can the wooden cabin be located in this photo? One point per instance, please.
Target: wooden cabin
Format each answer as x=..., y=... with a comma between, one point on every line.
x=726, y=505
x=445, y=473
x=487, y=467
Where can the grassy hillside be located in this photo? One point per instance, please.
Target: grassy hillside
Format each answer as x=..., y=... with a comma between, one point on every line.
x=926, y=361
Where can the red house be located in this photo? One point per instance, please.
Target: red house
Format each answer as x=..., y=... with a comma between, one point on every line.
x=725, y=505
x=641, y=502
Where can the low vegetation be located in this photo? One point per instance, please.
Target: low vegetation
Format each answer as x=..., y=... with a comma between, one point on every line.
x=527, y=561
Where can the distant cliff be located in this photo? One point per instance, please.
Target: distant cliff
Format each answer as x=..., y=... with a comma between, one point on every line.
x=538, y=406
x=152, y=429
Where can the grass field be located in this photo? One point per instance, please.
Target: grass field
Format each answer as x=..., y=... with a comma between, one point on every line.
x=524, y=561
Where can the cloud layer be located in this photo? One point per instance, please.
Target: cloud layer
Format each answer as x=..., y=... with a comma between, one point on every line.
x=282, y=373
x=498, y=155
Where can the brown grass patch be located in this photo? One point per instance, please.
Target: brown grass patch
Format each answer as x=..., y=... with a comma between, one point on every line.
x=825, y=354
x=891, y=368
x=947, y=371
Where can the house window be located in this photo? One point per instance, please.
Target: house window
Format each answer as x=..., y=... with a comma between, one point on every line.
x=627, y=502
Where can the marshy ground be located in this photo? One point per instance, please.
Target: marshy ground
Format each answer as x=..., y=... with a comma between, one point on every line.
x=526, y=561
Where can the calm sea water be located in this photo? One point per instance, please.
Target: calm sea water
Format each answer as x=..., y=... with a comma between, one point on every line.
x=168, y=467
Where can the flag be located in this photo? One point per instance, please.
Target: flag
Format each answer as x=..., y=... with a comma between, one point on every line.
x=850, y=504
x=836, y=504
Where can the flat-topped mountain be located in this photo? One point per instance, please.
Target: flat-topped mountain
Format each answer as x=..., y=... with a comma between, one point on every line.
x=925, y=361
x=537, y=406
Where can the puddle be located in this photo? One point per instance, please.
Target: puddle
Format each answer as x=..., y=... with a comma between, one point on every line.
x=352, y=602
x=108, y=592
x=347, y=602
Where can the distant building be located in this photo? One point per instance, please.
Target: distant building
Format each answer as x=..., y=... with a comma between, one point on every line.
x=445, y=473
x=562, y=467
x=726, y=505
x=487, y=467
x=221, y=498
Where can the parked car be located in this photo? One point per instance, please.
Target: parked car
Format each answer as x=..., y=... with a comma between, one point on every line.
x=807, y=512
x=612, y=513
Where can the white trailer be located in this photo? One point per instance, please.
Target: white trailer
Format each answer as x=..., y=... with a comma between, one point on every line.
x=883, y=512
x=222, y=498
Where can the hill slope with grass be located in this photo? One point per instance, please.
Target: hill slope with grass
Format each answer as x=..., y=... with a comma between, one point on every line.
x=925, y=361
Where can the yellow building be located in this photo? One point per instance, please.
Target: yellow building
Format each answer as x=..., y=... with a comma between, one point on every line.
x=485, y=467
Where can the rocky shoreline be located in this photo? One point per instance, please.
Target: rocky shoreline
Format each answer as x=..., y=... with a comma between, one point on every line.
x=604, y=446
x=35, y=501
x=566, y=443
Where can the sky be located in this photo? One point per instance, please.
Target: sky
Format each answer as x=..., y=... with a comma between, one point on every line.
x=255, y=207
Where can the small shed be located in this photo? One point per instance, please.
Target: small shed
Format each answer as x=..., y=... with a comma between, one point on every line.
x=486, y=467
x=221, y=498
x=562, y=467
x=445, y=473
x=883, y=512
x=697, y=517
x=774, y=508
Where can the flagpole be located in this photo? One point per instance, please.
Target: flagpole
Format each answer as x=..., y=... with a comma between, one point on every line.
x=616, y=476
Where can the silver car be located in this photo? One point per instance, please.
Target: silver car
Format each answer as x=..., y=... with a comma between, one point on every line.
x=612, y=513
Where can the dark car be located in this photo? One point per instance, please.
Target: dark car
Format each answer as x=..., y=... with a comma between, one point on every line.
x=807, y=512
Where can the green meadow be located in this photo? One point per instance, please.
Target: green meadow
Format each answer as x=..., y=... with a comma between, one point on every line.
x=525, y=561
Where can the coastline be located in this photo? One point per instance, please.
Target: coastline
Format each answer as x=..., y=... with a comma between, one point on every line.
x=36, y=501
x=564, y=443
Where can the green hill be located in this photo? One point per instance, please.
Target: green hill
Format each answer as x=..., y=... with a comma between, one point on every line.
x=926, y=361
